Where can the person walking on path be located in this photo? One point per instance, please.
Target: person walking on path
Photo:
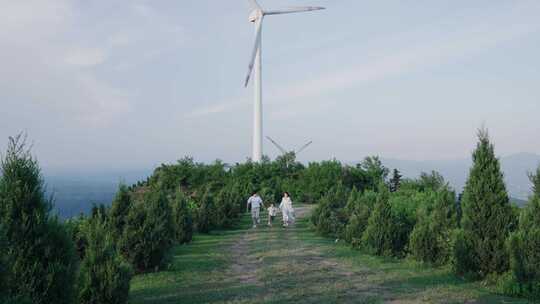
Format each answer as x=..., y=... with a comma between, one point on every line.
x=256, y=203
x=287, y=209
x=272, y=212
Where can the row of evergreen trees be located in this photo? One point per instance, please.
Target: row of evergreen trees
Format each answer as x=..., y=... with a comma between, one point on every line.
x=92, y=258
x=480, y=233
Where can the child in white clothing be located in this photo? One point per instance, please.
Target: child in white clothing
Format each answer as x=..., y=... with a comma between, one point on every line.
x=272, y=212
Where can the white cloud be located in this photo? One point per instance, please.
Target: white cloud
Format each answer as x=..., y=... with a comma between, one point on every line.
x=433, y=48
x=86, y=57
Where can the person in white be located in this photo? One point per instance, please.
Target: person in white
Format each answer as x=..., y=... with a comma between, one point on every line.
x=272, y=212
x=287, y=209
x=256, y=202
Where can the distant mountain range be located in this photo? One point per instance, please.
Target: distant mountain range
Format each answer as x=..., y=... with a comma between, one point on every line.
x=76, y=192
x=515, y=168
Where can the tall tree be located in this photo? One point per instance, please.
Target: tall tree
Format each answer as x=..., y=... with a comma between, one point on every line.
x=119, y=211
x=42, y=259
x=487, y=214
x=375, y=171
x=395, y=181
x=524, y=243
x=535, y=180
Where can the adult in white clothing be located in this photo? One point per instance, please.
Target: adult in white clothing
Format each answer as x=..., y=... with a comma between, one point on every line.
x=256, y=203
x=287, y=209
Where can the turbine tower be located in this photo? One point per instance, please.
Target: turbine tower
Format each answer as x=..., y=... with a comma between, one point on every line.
x=256, y=16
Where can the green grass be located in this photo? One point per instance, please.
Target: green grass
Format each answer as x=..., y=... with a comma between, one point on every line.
x=294, y=265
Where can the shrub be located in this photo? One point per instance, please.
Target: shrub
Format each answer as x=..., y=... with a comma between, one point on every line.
x=148, y=233
x=330, y=217
x=42, y=260
x=182, y=218
x=379, y=236
x=464, y=260
x=430, y=241
x=487, y=215
x=104, y=275
x=359, y=207
x=523, y=246
x=206, y=213
x=4, y=272
x=119, y=211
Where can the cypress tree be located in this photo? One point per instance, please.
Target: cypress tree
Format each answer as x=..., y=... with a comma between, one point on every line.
x=382, y=226
x=104, y=276
x=42, y=258
x=487, y=214
x=395, y=181
x=119, y=211
x=535, y=180
x=524, y=246
x=182, y=218
x=148, y=233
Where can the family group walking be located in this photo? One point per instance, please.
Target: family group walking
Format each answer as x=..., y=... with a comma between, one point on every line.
x=287, y=211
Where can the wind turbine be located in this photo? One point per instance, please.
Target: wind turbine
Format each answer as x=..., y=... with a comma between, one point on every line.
x=256, y=16
x=280, y=148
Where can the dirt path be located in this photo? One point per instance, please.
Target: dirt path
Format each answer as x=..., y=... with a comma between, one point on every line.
x=293, y=265
x=292, y=270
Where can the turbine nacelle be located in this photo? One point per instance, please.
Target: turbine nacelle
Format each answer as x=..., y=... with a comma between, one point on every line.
x=255, y=14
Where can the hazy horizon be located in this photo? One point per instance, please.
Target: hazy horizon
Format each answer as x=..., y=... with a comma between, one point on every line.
x=114, y=85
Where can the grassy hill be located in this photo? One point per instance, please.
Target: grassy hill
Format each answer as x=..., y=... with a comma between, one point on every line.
x=294, y=265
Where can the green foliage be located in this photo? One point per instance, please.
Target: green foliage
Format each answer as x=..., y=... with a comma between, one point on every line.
x=206, y=214
x=535, y=180
x=379, y=235
x=119, y=211
x=41, y=255
x=182, y=216
x=523, y=246
x=330, y=217
x=487, y=215
x=464, y=259
x=104, y=275
x=359, y=207
x=395, y=181
x=430, y=241
x=5, y=277
x=318, y=178
x=375, y=171
x=148, y=232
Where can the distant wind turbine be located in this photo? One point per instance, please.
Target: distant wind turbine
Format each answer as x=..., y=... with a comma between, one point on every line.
x=295, y=152
x=256, y=16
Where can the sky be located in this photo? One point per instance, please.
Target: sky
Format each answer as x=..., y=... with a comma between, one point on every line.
x=132, y=84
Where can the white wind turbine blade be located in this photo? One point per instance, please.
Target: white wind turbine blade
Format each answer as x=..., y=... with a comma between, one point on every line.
x=254, y=4
x=258, y=25
x=303, y=147
x=280, y=148
x=294, y=10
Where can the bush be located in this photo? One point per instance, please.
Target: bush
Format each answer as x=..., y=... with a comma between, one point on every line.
x=42, y=260
x=330, y=216
x=523, y=246
x=464, y=260
x=430, y=241
x=4, y=272
x=104, y=276
x=148, y=233
x=206, y=213
x=380, y=233
x=359, y=207
x=182, y=218
x=487, y=214
x=119, y=211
